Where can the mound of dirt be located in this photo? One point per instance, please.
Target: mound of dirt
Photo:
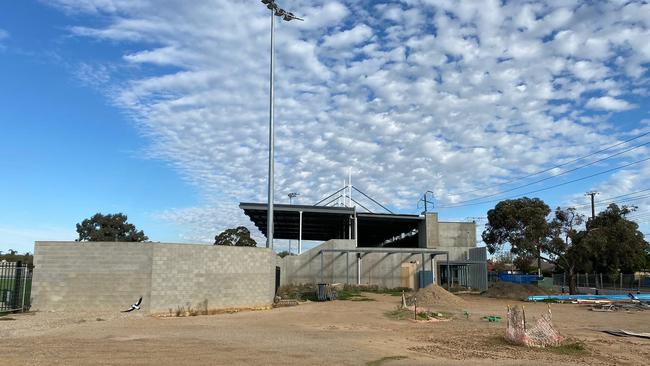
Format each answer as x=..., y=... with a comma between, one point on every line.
x=515, y=291
x=434, y=295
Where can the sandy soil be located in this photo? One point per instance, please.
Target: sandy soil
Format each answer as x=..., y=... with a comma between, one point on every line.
x=339, y=332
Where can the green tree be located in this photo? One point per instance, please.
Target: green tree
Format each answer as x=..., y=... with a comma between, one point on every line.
x=238, y=237
x=111, y=227
x=565, y=248
x=613, y=243
x=524, y=263
x=522, y=224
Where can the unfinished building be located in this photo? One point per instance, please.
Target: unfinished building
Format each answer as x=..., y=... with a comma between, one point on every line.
x=383, y=249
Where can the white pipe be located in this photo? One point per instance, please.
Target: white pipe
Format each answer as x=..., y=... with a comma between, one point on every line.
x=358, y=268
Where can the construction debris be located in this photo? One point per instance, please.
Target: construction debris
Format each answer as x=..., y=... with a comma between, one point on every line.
x=627, y=333
x=620, y=306
x=285, y=303
x=492, y=318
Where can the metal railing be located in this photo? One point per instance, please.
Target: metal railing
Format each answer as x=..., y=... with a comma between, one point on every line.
x=619, y=282
x=15, y=286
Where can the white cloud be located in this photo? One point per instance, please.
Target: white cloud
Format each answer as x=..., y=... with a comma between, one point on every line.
x=421, y=95
x=348, y=37
x=608, y=103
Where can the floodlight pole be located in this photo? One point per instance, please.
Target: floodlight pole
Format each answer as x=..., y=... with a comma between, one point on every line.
x=269, y=223
x=275, y=11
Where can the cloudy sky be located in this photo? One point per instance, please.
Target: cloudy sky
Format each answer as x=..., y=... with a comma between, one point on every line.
x=159, y=109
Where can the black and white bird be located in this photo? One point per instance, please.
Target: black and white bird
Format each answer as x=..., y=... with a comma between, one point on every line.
x=135, y=306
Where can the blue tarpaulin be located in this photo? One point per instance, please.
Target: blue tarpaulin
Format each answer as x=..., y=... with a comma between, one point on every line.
x=518, y=278
x=641, y=297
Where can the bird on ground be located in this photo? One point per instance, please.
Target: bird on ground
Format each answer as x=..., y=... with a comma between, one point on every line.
x=135, y=306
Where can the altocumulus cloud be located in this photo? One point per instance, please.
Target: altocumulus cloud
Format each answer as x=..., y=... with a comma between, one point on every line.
x=414, y=95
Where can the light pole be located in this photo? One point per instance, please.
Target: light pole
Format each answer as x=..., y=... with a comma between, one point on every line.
x=275, y=11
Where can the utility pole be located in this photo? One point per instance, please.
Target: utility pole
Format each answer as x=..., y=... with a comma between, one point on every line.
x=426, y=201
x=593, y=206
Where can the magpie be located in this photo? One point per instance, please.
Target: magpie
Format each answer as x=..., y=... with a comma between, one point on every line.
x=135, y=306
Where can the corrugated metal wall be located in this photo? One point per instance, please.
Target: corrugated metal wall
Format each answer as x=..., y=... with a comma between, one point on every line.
x=478, y=271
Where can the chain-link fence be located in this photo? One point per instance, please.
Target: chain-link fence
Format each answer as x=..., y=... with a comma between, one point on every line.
x=618, y=282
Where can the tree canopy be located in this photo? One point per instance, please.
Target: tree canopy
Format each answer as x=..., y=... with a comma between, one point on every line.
x=521, y=223
x=613, y=242
x=111, y=227
x=238, y=237
x=609, y=244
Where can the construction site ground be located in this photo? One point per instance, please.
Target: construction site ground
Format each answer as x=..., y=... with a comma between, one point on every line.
x=332, y=333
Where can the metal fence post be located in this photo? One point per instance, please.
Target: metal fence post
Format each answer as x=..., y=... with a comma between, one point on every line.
x=22, y=306
x=601, y=281
x=621, y=282
x=17, y=274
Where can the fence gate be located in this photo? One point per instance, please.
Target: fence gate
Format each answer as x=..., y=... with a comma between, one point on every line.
x=15, y=286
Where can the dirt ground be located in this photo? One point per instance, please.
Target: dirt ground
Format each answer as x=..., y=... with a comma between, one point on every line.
x=338, y=332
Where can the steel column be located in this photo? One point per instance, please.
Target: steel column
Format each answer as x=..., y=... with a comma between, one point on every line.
x=300, y=233
x=448, y=274
x=271, y=188
x=356, y=232
x=422, y=272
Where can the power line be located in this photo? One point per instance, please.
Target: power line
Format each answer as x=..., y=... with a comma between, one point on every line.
x=556, y=175
x=560, y=165
x=550, y=187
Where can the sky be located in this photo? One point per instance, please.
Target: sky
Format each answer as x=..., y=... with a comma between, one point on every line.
x=159, y=109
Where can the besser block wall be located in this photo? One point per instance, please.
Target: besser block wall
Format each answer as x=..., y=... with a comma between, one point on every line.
x=109, y=276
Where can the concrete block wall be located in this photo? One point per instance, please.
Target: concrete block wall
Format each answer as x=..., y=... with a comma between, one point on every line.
x=110, y=276
x=91, y=276
x=223, y=277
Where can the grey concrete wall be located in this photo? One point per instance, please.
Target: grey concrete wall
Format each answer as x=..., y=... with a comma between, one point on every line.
x=91, y=276
x=376, y=268
x=431, y=233
x=110, y=276
x=457, y=234
x=379, y=269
